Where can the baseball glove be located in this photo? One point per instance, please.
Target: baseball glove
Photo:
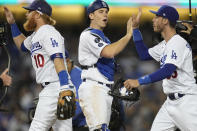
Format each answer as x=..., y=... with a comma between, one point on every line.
x=66, y=105
x=119, y=91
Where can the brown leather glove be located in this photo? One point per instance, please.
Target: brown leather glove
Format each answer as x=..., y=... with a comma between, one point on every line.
x=66, y=105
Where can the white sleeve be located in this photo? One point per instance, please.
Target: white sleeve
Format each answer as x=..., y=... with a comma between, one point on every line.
x=53, y=42
x=93, y=43
x=156, y=51
x=27, y=42
x=175, y=52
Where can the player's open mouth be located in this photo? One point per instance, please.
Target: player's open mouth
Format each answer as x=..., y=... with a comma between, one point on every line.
x=104, y=20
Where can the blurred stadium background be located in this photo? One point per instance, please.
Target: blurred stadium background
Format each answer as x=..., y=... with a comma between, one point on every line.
x=71, y=21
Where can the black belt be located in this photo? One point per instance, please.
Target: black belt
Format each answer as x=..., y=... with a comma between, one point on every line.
x=108, y=85
x=45, y=84
x=175, y=96
x=86, y=67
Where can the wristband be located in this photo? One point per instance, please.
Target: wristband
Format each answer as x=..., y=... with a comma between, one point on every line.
x=63, y=77
x=137, y=36
x=56, y=55
x=15, y=31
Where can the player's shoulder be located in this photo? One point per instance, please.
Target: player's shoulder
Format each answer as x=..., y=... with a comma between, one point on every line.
x=49, y=30
x=90, y=32
x=178, y=37
x=85, y=33
x=178, y=40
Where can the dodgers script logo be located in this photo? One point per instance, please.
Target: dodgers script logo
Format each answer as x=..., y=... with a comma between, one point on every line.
x=35, y=46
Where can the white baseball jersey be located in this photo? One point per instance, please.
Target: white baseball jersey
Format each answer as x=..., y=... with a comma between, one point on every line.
x=90, y=48
x=43, y=43
x=178, y=52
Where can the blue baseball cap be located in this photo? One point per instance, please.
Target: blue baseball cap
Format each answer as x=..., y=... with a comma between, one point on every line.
x=167, y=12
x=95, y=5
x=41, y=6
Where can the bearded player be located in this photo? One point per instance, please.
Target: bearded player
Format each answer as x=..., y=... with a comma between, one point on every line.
x=46, y=46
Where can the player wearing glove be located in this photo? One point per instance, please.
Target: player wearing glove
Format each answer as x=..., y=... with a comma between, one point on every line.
x=66, y=105
x=46, y=46
x=96, y=56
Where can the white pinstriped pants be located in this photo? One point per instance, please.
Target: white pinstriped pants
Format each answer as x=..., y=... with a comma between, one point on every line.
x=45, y=111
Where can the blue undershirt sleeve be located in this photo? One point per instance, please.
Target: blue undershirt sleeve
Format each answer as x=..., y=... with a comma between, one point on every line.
x=141, y=48
x=164, y=72
x=15, y=31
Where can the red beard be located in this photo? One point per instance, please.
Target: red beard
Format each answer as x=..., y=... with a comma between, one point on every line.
x=30, y=25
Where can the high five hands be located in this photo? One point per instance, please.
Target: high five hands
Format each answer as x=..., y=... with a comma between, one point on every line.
x=136, y=19
x=134, y=83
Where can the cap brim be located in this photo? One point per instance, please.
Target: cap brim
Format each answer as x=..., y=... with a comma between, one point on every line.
x=27, y=8
x=154, y=12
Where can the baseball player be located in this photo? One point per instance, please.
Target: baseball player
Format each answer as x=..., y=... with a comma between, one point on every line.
x=96, y=56
x=46, y=46
x=176, y=71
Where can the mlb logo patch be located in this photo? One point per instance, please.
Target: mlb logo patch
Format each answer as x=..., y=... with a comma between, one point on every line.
x=100, y=44
x=97, y=40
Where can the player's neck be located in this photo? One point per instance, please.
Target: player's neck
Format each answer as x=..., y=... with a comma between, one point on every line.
x=39, y=25
x=168, y=33
x=96, y=27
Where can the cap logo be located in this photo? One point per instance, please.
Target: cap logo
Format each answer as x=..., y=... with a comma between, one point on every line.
x=104, y=4
x=164, y=14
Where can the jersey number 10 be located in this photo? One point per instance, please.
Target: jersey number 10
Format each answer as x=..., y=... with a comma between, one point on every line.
x=39, y=59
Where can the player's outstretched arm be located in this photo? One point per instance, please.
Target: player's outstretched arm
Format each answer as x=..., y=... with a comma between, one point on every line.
x=115, y=48
x=165, y=72
x=141, y=48
x=16, y=34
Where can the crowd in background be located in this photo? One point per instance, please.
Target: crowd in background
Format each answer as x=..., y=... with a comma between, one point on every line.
x=19, y=99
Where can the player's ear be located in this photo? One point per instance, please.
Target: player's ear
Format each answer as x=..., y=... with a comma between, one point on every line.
x=91, y=16
x=165, y=21
x=36, y=15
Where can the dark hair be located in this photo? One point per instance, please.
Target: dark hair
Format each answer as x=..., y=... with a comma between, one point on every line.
x=172, y=24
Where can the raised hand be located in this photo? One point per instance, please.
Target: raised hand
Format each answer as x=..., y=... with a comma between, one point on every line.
x=136, y=19
x=9, y=16
x=129, y=27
